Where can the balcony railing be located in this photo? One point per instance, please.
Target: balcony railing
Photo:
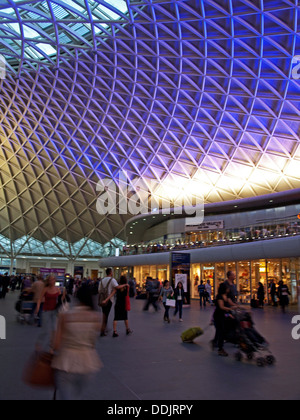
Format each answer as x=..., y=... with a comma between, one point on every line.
x=193, y=240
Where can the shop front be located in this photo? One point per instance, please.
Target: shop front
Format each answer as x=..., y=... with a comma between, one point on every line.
x=249, y=276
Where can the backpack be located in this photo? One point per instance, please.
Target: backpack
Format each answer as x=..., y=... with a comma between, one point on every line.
x=103, y=293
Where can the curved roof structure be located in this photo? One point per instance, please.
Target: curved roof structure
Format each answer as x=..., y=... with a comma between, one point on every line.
x=201, y=91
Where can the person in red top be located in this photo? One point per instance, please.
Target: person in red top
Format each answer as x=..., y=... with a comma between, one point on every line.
x=50, y=297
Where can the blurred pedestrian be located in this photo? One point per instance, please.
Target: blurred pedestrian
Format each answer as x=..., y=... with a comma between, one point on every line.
x=208, y=291
x=179, y=299
x=283, y=295
x=37, y=289
x=233, y=293
x=5, y=284
x=202, y=294
x=153, y=291
x=261, y=295
x=223, y=308
x=107, y=284
x=121, y=313
x=76, y=358
x=50, y=296
x=273, y=292
x=166, y=292
x=132, y=285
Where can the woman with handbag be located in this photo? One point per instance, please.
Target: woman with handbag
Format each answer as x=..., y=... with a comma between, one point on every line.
x=166, y=293
x=76, y=358
x=122, y=305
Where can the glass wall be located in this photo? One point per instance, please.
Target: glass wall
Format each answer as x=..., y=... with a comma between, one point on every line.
x=208, y=274
x=243, y=276
x=142, y=272
x=220, y=275
x=248, y=276
x=259, y=275
x=288, y=276
x=195, y=279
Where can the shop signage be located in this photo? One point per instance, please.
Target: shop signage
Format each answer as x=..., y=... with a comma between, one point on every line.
x=55, y=271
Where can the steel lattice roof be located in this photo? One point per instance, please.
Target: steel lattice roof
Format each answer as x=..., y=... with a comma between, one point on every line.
x=192, y=90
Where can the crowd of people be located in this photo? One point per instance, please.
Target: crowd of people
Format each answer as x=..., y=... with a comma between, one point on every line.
x=69, y=322
x=69, y=327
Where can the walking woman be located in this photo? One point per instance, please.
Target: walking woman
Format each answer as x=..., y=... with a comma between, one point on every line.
x=283, y=295
x=179, y=299
x=261, y=294
x=76, y=358
x=50, y=297
x=166, y=293
x=121, y=314
x=223, y=307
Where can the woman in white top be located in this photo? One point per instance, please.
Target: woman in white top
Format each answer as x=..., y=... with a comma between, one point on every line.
x=208, y=291
x=76, y=357
x=166, y=293
x=179, y=298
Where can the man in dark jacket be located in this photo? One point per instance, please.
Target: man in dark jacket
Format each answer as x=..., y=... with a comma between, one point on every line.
x=233, y=294
x=152, y=289
x=5, y=284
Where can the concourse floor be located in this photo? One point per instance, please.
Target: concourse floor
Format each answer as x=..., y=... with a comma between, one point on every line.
x=153, y=363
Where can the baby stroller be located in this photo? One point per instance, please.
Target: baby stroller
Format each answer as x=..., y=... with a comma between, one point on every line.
x=250, y=343
x=25, y=308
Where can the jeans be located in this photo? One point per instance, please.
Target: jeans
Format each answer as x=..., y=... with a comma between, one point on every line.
x=152, y=300
x=39, y=315
x=70, y=385
x=46, y=336
x=220, y=332
x=202, y=297
x=166, y=315
x=178, y=307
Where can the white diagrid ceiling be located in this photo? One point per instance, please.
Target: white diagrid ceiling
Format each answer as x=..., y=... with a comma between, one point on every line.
x=198, y=91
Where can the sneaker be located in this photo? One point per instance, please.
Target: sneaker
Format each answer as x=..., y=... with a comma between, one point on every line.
x=115, y=334
x=180, y=320
x=222, y=353
x=129, y=332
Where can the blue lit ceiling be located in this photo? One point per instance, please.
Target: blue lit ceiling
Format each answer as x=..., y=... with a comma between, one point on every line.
x=204, y=91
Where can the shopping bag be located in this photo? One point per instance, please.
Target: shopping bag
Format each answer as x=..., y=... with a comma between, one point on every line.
x=38, y=370
x=127, y=302
x=171, y=302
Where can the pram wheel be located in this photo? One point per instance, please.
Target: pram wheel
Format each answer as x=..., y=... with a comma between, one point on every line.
x=260, y=362
x=238, y=356
x=270, y=360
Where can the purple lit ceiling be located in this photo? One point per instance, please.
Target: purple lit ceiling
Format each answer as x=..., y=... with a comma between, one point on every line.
x=203, y=91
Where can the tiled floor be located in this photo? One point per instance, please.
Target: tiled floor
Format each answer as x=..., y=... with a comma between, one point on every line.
x=153, y=363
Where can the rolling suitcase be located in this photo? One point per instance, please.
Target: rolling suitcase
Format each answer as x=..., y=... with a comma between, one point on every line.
x=189, y=335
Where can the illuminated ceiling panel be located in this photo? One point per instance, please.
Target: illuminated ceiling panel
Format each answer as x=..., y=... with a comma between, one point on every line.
x=205, y=91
